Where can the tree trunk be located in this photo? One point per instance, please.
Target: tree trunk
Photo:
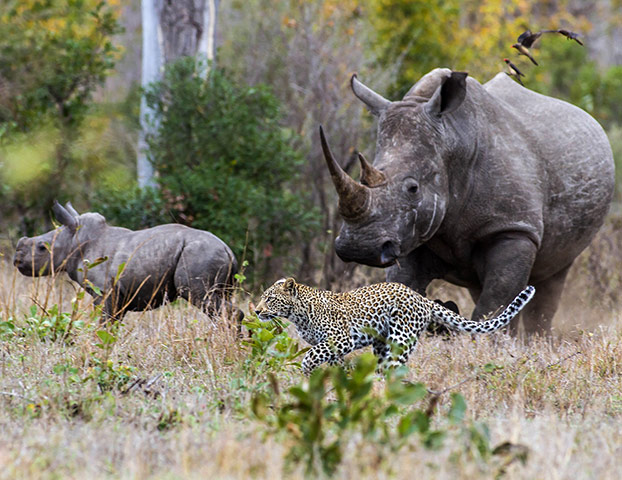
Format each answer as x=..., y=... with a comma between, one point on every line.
x=151, y=72
x=171, y=29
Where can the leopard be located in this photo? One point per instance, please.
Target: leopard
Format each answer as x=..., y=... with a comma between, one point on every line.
x=388, y=316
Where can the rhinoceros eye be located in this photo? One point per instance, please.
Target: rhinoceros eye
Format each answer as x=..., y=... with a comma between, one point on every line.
x=411, y=185
x=41, y=247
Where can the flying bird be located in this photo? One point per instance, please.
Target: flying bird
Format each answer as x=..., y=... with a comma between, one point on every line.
x=513, y=71
x=570, y=35
x=524, y=51
x=527, y=38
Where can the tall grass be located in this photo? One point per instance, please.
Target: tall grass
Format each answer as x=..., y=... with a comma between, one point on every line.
x=168, y=393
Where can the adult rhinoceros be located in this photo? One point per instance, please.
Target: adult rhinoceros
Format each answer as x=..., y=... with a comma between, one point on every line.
x=132, y=270
x=490, y=187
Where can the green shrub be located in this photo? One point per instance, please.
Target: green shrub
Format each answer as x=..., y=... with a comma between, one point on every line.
x=318, y=418
x=131, y=207
x=224, y=163
x=53, y=56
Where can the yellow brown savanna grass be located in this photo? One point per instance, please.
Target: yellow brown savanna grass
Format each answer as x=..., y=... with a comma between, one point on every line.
x=168, y=394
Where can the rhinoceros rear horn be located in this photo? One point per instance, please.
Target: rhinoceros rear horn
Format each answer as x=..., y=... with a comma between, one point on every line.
x=370, y=176
x=449, y=95
x=70, y=209
x=375, y=102
x=64, y=217
x=353, y=197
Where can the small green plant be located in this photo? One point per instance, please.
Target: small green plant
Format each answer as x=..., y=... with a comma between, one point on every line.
x=319, y=417
x=109, y=375
x=169, y=419
x=240, y=277
x=50, y=325
x=317, y=426
x=270, y=347
x=7, y=329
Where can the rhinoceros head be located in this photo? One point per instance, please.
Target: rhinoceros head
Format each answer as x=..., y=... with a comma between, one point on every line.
x=401, y=199
x=35, y=256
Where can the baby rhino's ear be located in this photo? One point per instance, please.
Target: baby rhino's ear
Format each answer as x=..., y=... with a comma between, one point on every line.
x=289, y=286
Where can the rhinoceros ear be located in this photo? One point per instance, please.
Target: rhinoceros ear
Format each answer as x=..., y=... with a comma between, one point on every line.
x=64, y=217
x=375, y=102
x=449, y=95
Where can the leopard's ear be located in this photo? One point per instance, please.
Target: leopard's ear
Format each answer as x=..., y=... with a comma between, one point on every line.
x=290, y=286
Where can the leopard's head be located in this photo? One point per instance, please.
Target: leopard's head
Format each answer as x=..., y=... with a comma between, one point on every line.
x=279, y=300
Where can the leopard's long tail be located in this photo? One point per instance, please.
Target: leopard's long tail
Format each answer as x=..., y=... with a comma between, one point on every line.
x=454, y=321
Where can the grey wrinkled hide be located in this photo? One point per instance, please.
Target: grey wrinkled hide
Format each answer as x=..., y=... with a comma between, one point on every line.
x=162, y=262
x=491, y=187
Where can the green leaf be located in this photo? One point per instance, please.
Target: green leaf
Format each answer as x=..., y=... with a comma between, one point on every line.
x=421, y=420
x=364, y=367
x=491, y=367
x=265, y=335
x=405, y=393
x=434, y=440
x=120, y=270
x=93, y=287
x=106, y=338
x=96, y=262
x=457, y=409
x=405, y=426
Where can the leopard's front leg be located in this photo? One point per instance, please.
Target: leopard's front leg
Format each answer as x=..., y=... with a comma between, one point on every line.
x=331, y=351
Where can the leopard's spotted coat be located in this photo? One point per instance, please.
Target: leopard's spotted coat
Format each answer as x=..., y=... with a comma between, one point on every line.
x=388, y=316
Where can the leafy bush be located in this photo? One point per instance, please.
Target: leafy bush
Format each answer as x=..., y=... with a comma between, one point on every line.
x=132, y=207
x=270, y=347
x=51, y=325
x=320, y=417
x=223, y=162
x=53, y=55
x=572, y=76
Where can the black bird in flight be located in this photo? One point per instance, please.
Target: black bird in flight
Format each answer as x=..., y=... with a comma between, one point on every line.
x=524, y=51
x=570, y=35
x=526, y=40
x=513, y=71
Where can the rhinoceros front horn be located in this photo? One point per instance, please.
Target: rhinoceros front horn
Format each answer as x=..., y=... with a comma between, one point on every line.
x=353, y=197
x=64, y=217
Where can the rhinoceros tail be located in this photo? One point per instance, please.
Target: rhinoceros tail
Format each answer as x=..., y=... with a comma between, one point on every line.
x=454, y=321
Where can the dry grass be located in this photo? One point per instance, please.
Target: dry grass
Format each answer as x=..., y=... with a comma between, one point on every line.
x=564, y=401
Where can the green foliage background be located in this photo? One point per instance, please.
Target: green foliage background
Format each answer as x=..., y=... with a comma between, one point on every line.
x=54, y=54
x=224, y=164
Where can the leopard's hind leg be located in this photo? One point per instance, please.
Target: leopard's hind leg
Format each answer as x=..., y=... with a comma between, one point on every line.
x=400, y=343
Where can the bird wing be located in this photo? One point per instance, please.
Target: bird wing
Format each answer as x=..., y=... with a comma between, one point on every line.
x=521, y=38
x=570, y=35
x=518, y=72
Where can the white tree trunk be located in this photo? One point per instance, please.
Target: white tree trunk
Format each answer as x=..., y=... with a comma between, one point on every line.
x=207, y=40
x=171, y=29
x=152, y=62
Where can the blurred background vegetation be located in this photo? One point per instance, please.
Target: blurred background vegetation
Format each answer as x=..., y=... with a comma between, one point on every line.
x=237, y=152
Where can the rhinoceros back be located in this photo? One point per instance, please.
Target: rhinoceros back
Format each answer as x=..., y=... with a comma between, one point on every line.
x=577, y=163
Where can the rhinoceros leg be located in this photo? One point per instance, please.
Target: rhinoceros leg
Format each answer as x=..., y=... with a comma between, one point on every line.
x=538, y=314
x=503, y=266
x=417, y=269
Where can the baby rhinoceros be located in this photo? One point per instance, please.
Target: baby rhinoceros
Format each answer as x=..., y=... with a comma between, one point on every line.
x=132, y=270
